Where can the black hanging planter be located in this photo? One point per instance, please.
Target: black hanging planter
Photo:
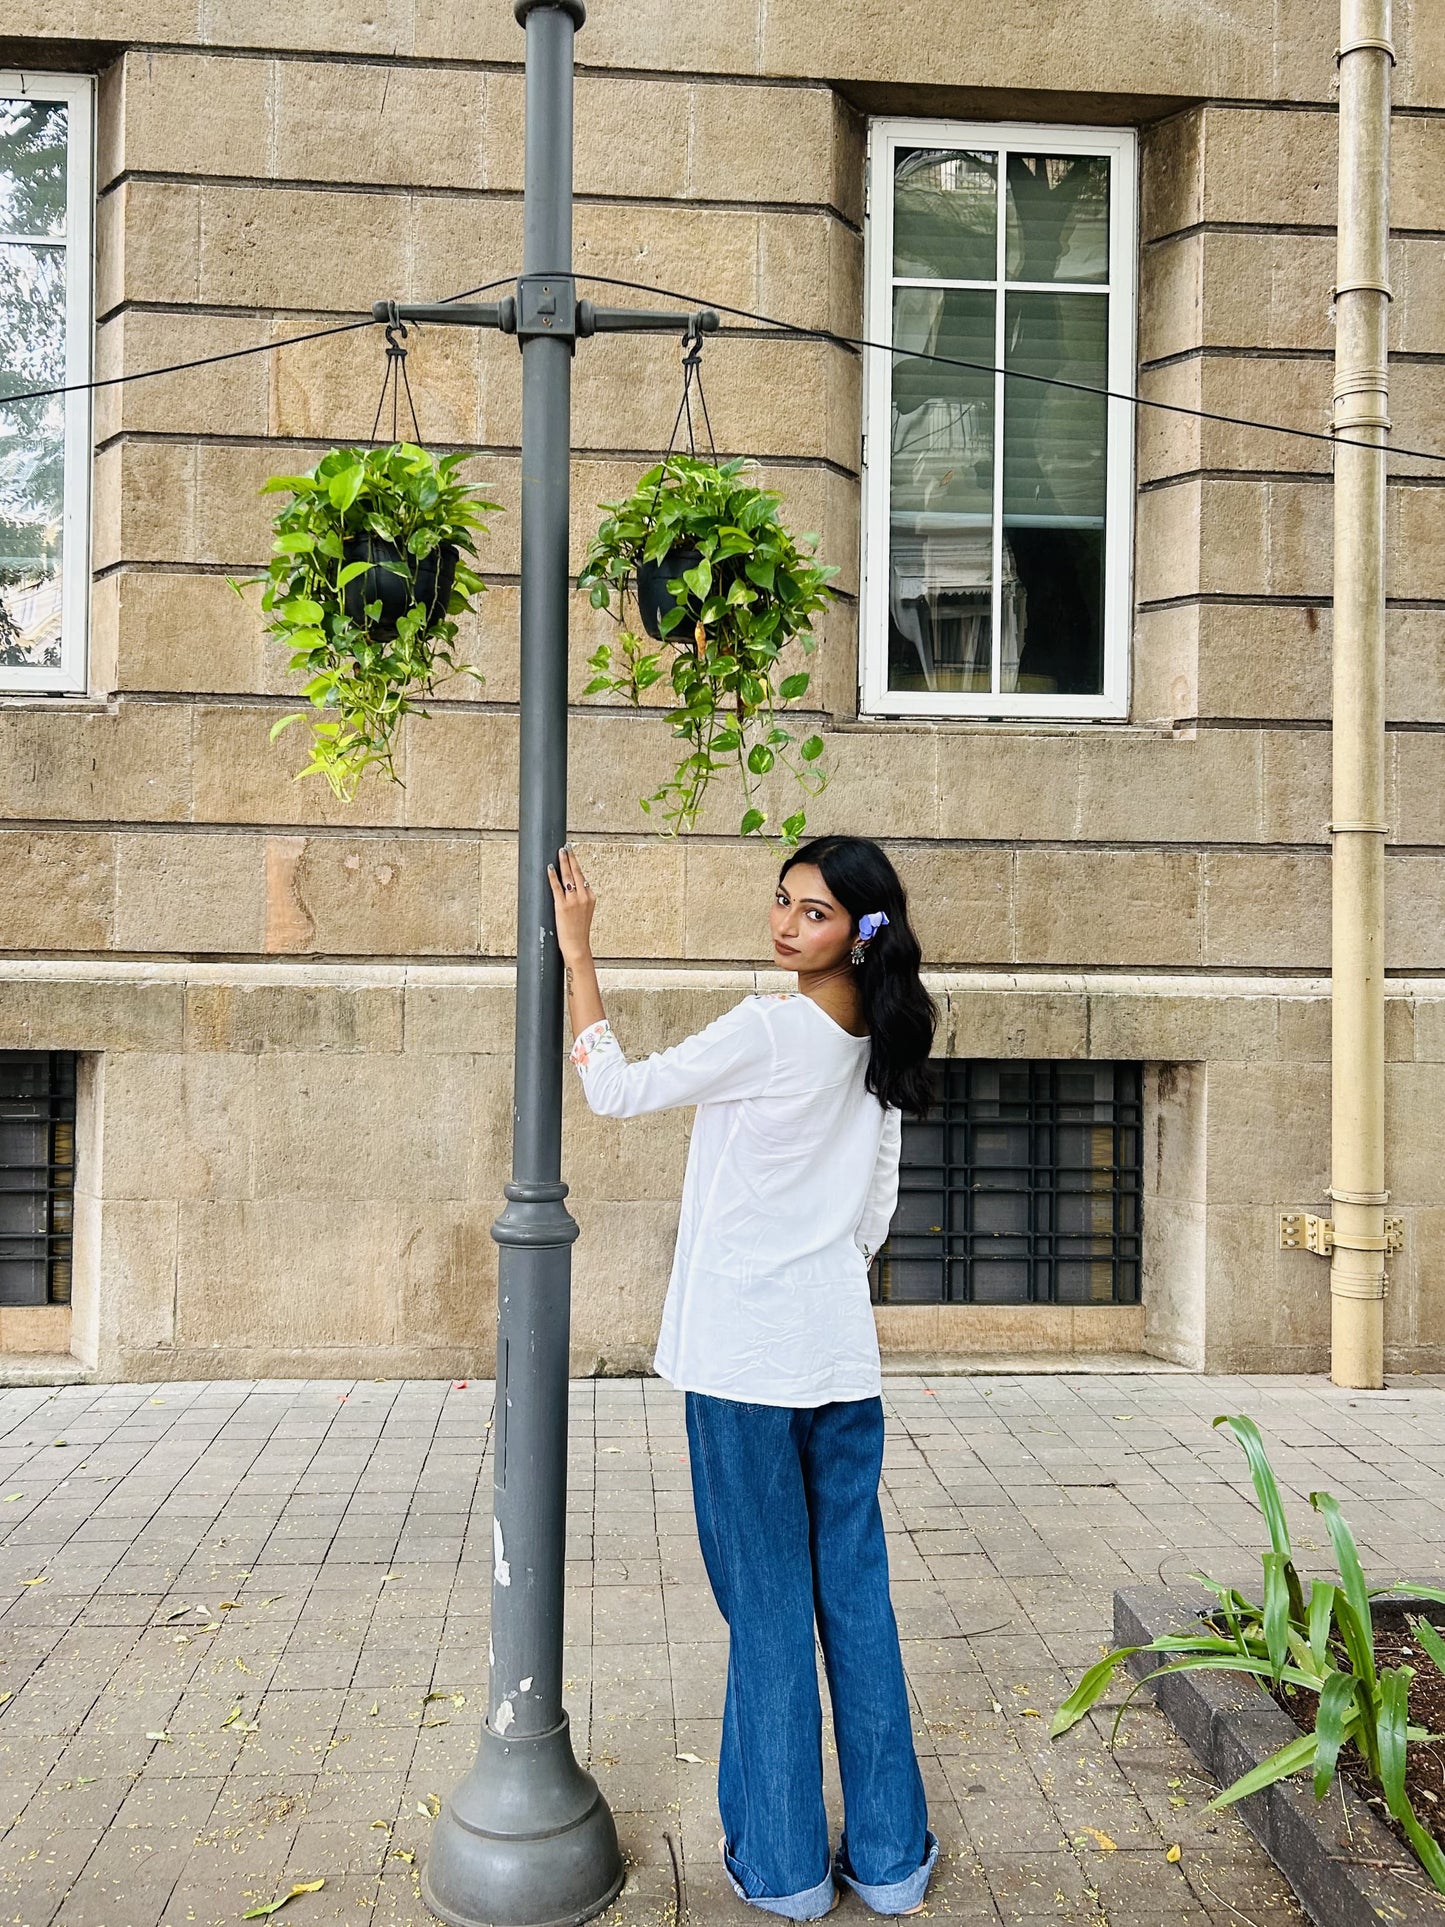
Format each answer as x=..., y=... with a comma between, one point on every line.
x=654, y=599
x=387, y=581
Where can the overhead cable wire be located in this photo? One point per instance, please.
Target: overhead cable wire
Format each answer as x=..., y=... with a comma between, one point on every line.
x=232, y=354
x=788, y=330
x=795, y=330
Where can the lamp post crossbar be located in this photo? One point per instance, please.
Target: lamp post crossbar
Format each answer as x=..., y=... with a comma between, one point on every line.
x=526, y=1838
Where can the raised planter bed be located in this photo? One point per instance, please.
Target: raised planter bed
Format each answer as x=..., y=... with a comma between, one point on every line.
x=1346, y=1866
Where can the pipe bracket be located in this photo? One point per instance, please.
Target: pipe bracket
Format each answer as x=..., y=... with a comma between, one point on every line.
x=1359, y=829
x=1304, y=1231
x=1363, y=287
x=1367, y=46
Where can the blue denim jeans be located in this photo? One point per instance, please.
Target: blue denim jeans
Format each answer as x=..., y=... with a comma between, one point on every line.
x=788, y=1517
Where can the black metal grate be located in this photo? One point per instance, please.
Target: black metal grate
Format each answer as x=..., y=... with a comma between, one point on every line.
x=1021, y=1187
x=37, y=1176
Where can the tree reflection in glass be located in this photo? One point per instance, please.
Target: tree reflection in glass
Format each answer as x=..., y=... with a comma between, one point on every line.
x=33, y=138
x=996, y=580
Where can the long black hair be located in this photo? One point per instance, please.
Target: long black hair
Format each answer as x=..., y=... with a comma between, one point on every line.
x=898, y=1011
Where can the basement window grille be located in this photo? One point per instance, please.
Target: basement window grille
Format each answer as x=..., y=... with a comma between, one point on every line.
x=1022, y=1186
x=37, y=1176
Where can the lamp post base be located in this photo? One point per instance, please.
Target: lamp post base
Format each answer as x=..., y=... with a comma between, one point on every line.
x=525, y=1840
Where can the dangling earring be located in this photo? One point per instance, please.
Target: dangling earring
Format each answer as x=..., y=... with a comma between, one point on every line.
x=868, y=928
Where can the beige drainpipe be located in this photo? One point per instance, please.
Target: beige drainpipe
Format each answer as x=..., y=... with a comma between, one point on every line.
x=1362, y=301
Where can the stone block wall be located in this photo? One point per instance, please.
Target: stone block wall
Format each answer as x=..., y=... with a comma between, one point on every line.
x=281, y=1171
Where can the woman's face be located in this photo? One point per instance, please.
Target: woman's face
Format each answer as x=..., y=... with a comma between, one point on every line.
x=811, y=929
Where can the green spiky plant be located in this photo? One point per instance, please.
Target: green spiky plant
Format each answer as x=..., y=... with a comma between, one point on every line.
x=1322, y=1643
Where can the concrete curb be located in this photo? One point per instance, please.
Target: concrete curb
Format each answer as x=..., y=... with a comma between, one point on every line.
x=1344, y=1876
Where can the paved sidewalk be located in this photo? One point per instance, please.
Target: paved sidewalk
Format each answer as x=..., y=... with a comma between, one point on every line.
x=317, y=1556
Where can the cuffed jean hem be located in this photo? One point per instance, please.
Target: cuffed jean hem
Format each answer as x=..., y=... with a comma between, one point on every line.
x=899, y=1895
x=811, y=1905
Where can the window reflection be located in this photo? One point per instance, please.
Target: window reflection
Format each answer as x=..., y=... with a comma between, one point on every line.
x=1058, y=217
x=941, y=518
x=33, y=137
x=996, y=580
x=945, y=214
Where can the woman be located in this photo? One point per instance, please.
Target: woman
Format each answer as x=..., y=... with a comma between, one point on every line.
x=792, y=1176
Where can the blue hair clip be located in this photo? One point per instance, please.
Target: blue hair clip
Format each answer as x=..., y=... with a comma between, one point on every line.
x=870, y=925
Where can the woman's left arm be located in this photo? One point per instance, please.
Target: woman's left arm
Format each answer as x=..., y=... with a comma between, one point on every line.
x=574, y=903
x=732, y=1058
x=882, y=1199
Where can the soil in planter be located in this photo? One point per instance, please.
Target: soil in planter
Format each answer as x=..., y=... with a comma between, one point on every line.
x=1424, y=1760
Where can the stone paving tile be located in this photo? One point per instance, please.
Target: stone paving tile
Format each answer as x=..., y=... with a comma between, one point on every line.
x=260, y=1644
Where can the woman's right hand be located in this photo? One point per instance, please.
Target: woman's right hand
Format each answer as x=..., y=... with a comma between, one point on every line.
x=575, y=903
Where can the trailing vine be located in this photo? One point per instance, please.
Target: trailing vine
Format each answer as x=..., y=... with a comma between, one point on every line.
x=373, y=561
x=729, y=610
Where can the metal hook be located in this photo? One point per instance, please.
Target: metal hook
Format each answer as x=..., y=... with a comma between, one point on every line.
x=395, y=326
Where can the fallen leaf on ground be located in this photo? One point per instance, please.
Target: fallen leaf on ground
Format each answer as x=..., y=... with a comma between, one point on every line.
x=301, y=1887
x=431, y=1806
x=403, y=1853
x=385, y=1825
x=6, y=1696
x=1031, y=1713
x=1173, y=1854
x=231, y=1717
x=374, y=1710
x=39, y=1580
x=1101, y=1840
x=11, y=1497
x=692, y=1759
x=228, y=1605
x=161, y=1735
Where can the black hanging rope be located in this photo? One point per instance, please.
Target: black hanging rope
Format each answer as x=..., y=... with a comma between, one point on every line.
x=692, y=342
x=395, y=379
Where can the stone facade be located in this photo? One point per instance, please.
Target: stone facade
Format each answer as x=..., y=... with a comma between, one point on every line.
x=295, y=1013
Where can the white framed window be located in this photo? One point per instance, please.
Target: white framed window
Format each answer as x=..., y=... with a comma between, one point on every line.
x=46, y=189
x=998, y=509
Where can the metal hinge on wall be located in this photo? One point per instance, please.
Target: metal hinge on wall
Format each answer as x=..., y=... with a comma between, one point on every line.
x=1303, y=1231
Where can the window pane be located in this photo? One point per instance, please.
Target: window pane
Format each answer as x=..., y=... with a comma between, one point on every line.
x=32, y=454
x=941, y=511
x=1058, y=217
x=1054, y=493
x=945, y=214
x=32, y=166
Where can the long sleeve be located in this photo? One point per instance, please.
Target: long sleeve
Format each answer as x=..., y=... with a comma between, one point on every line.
x=732, y=1058
x=882, y=1198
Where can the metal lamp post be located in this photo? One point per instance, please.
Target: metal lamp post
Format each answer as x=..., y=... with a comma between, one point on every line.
x=526, y=1839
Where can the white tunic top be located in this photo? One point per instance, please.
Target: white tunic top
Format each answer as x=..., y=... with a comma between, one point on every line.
x=792, y=1176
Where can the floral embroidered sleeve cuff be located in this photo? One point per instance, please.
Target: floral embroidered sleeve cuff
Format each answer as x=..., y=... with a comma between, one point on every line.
x=590, y=1038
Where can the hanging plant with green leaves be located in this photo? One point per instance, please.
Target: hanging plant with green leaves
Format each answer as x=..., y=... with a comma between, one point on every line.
x=373, y=562
x=726, y=588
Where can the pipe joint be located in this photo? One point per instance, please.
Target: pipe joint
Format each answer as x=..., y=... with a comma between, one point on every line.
x=1363, y=287
x=1367, y=1290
